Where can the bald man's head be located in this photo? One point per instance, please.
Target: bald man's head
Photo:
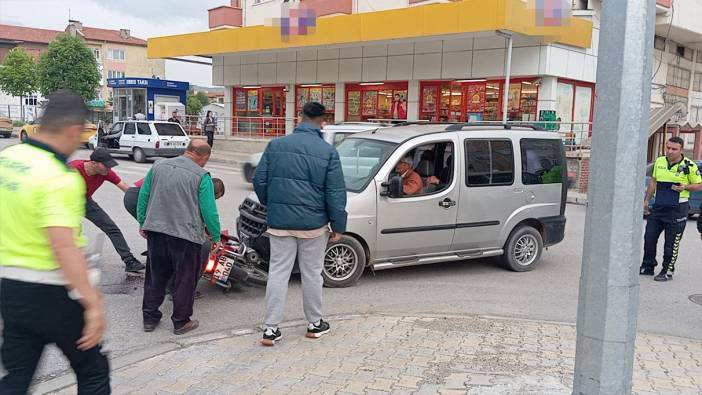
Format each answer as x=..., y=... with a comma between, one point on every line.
x=199, y=151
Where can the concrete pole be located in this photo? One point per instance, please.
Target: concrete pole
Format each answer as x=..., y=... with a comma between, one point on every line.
x=609, y=282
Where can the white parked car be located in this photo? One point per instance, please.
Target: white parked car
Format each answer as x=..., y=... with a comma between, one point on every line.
x=142, y=139
x=332, y=134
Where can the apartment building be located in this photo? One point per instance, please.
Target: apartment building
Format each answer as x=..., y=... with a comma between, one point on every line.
x=117, y=52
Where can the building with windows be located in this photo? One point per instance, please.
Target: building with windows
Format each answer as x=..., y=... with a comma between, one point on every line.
x=117, y=52
x=397, y=60
x=677, y=75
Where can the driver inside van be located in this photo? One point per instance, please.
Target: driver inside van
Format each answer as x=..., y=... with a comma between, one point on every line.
x=411, y=181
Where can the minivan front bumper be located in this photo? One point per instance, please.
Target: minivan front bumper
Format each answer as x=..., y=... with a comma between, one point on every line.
x=553, y=229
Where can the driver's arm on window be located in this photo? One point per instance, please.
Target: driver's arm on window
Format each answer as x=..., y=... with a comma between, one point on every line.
x=412, y=184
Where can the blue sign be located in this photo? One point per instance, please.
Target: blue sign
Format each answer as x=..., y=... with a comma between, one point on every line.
x=155, y=83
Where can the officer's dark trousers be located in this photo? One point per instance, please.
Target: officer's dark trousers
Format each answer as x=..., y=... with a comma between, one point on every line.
x=672, y=221
x=169, y=256
x=131, y=201
x=35, y=315
x=99, y=217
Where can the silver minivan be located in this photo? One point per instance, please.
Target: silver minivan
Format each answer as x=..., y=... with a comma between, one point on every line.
x=485, y=191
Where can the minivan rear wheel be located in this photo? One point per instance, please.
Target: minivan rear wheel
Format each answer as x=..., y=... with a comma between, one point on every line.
x=523, y=249
x=139, y=155
x=344, y=263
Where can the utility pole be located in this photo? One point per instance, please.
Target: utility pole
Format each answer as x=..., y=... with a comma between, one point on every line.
x=609, y=282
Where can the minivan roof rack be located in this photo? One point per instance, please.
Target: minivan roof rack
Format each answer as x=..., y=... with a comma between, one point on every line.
x=507, y=126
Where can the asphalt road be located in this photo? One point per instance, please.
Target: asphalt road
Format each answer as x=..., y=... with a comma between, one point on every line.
x=472, y=287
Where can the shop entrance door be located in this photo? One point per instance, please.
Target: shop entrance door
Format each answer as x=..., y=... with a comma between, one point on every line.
x=273, y=111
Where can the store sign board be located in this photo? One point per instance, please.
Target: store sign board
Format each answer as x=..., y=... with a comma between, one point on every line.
x=295, y=20
x=553, y=12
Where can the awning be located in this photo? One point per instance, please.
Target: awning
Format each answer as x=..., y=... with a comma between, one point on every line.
x=434, y=20
x=660, y=115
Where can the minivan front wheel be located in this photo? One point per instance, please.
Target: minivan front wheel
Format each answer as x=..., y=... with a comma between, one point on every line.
x=139, y=155
x=523, y=249
x=344, y=263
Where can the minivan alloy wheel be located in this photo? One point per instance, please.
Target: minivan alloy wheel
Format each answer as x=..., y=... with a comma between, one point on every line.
x=526, y=250
x=340, y=261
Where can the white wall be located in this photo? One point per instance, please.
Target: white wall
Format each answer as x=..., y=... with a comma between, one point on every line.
x=378, y=5
x=440, y=59
x=255, y=14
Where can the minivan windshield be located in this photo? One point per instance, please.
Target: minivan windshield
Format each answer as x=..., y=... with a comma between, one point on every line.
x=361, y=159
x=169, y=129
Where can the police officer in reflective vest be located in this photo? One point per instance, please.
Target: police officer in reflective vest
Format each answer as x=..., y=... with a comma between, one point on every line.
x=674, y=176
x=46, y=294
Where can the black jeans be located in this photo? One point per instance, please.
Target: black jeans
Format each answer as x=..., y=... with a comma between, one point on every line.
x=170, y=256
x=35, y=315
x=99, y=217
x=672, y=221
x=210, y=138
x=131, y=201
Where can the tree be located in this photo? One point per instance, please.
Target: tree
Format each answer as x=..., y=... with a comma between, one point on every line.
x=69, y=64
x=18, y=75
x=196, y=102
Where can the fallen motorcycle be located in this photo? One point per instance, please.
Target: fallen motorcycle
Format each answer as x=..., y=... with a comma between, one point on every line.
x=234, y=263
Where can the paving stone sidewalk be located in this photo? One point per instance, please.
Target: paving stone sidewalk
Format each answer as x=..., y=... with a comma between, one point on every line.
x=380, y=354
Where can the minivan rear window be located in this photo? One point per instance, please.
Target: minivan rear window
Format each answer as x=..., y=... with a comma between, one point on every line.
x=169, y=129
x=542, y=161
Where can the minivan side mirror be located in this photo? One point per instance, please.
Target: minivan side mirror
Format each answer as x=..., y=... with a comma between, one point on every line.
x=394, y=187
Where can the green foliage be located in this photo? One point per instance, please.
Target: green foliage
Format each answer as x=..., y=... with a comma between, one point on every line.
x=196, y=102
x=69, y=64
x=18, y=74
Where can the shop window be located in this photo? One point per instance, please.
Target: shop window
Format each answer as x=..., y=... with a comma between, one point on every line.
x=376, y=102
x=489, y=162
x=492, y=102
x=326, y=95
x=259, y=110
x=564, y=104
x=542, y=162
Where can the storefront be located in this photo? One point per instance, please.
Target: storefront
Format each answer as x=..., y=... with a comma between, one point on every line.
x=448, y=64
x=154, y=98
x=383, y=101
x=324, y=94
x=477, y=100
x=259, y=110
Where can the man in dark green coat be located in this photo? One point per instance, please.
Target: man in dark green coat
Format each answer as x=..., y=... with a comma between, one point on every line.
x=300, y=180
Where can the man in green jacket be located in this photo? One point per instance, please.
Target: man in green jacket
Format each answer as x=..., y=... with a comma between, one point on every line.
x=176, y=204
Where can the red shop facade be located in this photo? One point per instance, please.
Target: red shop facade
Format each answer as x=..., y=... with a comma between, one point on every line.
x=477, y=100
x=376, y=101
x=259, y=110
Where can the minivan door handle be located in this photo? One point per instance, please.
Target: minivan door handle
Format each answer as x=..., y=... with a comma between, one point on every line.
x=518, y=190
x=447, y=203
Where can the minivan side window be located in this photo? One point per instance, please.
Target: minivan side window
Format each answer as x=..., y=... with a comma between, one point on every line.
x=489, y=162
x=143, y=128
x=542, y=161
x=431, y=170
x=129, y=128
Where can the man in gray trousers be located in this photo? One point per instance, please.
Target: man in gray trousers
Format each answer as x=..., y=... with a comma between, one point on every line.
x=299, y=179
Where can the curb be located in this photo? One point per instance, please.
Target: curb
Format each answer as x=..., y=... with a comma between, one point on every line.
x=67, y=379
x=579, y=200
